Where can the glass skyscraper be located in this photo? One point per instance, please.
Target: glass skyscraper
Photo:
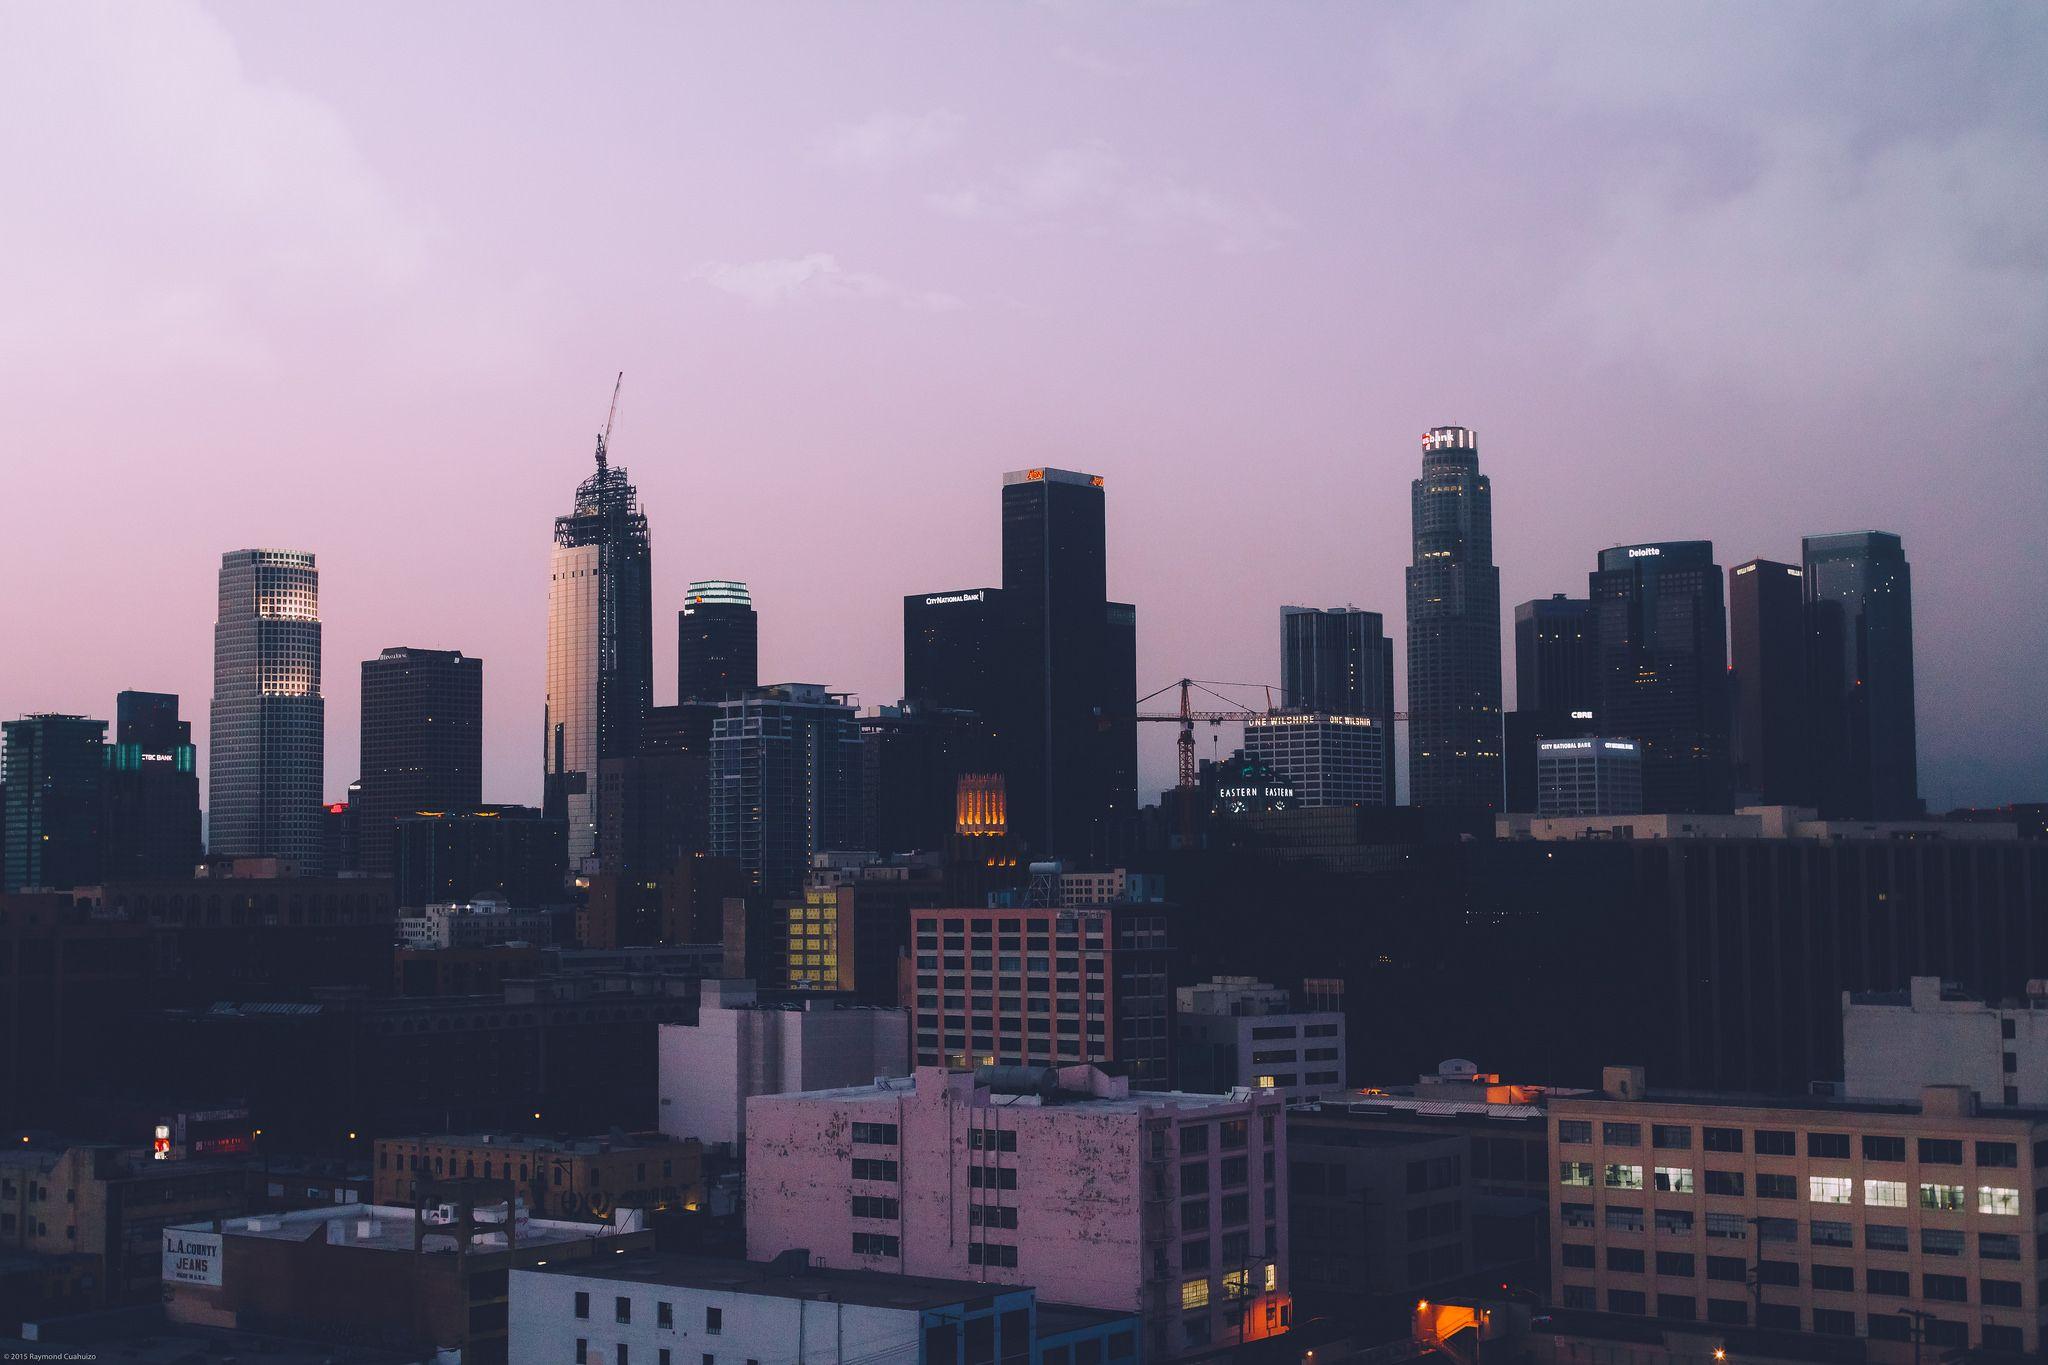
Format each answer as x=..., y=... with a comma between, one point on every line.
x=1553, y=686
x=1859, y=609
x=718, y=645
x=52, y=767
x=1770, y=740
x=267, y=744
x=422, y=743
x=600, y=672
x=1338, y=661
x=786, y=777
x=152, y=791
x=1454, y=726
x=1660, y=627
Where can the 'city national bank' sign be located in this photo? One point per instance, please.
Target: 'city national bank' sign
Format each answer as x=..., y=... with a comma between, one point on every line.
x=191, y=1257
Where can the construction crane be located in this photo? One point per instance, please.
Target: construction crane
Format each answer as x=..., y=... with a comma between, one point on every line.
x=605, y=438
x=1187, y=716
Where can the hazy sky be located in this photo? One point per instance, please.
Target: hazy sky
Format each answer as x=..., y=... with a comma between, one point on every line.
x=355, y=279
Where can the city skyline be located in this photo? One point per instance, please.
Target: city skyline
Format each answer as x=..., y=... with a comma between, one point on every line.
x=881, y=279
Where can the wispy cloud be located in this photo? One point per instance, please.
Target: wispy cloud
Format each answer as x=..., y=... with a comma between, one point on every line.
x=818, y=276
x=885, y=141
x=1091, y=187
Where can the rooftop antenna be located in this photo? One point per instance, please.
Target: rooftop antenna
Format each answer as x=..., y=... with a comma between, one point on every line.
x=607, y=434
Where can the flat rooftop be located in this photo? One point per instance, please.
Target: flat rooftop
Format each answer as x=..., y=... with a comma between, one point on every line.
x=867, y=1288
x=1138, y=1101
x=541, y=1142
x=390, y=1229
x=1819, y=1104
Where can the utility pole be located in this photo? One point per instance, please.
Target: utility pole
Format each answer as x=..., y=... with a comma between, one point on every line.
x=1756, y=1271
x=1919, y=1318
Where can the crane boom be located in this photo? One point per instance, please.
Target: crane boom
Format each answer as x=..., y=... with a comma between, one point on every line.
x=605, y=439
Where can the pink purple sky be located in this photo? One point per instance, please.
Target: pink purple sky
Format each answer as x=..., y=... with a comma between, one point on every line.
x=355, y=279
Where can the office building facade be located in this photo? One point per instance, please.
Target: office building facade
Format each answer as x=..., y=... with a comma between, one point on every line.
x=1884, y=1222
x=1235, y=1031
x=508, y=853
x=1553, y=686
x=718, y=642
x=1661, y=628
x=1592, y=776
x=1768, y=739
x=1067, y=700
x=1035, y=986
x=1169, y=1205
x=150, y=826
x=786, y=776
x=1328, y=760
x=422, y=744
x=267, y=745
x=1859, y=605
x=54, y=768
x=600, y=665
x=1454, y=717
x=1339, y=661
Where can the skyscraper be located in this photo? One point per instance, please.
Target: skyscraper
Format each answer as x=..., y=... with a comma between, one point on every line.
x=952, y=643
x=1338, y=661
x=1553, y=687
x=1662, y=667
x=717, y=642
x=268, y=736
x=600, y=677
x=1063, y=704
x=1454, y=727
x=785, y=782
x=1769, y=740
x=52, y=766
x=1859, y=606
x=151, y=810
x=422, y=728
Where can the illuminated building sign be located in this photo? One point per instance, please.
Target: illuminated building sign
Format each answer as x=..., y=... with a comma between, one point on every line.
x=1618, y=745
x=1555, y=745
x=1255, y=793
x=944, y=599
x=1582, y=715
x=1645, y=552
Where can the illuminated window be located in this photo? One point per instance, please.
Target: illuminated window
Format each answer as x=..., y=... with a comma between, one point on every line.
x=1885, y=1194
x=1194, y=1293
x=1265, y=1082
x=1945, y=1197
x=1272, y=1277
x=1575, y=1173
x=1624, y=1177
x=1831, y=1189
x=1991, y=1199
x=1674, y=1180
x=1236, y=1283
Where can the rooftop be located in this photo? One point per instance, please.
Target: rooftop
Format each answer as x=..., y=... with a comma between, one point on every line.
x=867, y=1288
x=543, y=1142
x=1010, y=1090
x=386, y=1227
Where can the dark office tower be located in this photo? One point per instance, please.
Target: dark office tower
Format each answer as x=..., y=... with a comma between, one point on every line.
x=718, y=642
x=150, y=811
x=1119, y=726
x=1553, y=686
x=1338, y=661
x=267, y=745
x=915, y=757
x=1072, y=678
x=423, y=742
x=600, y=677
x=1454, y=728
x=786, y=776
x=1859, y=608
x=1768, y=740
x=951, y=644
x=53, y=768
x=1661, y=658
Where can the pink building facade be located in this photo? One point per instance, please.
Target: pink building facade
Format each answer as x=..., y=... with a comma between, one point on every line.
x=1168, y=1205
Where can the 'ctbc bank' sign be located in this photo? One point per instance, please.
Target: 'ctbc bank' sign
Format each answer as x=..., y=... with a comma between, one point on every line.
x=191, y=1257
